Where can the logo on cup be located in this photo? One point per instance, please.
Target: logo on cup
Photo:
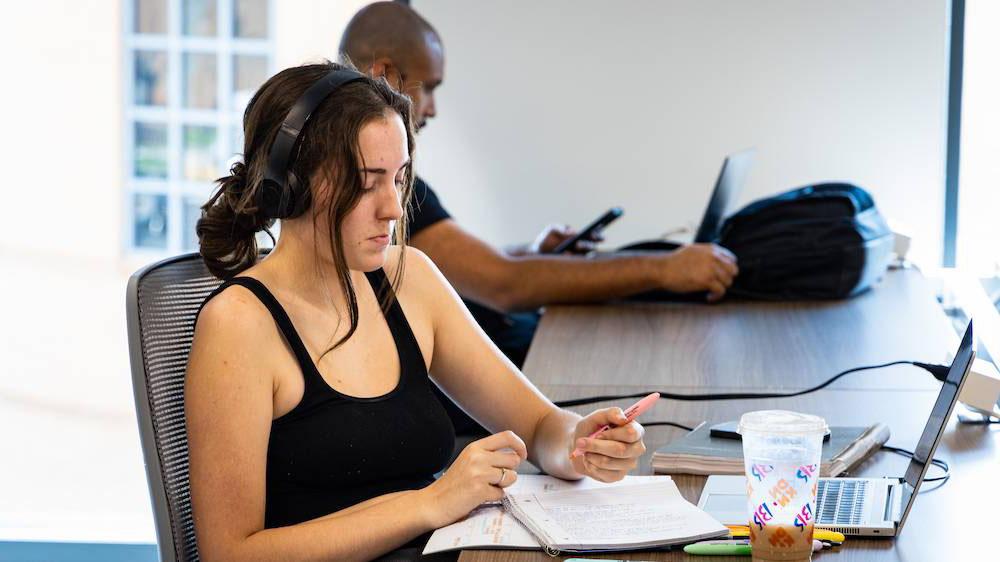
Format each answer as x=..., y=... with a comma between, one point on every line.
x=780, y=537
x=759, y=471
x=804, y=516
x=806, y=472
x=762, y=515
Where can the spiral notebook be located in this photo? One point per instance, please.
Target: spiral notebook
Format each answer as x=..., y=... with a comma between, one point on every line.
x=631, y=517
x=542, y=512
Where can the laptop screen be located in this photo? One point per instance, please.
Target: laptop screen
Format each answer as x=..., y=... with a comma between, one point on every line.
x=946, y=399
x=727, y=188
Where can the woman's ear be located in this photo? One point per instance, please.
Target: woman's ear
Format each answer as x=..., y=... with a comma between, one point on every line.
x=384, y=67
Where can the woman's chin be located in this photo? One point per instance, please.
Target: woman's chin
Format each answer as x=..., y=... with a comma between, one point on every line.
x=368, y=262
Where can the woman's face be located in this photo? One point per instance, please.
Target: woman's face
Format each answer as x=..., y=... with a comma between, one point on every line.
x=367, y=229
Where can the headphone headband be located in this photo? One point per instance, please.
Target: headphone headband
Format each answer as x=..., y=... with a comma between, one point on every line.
x=279, y=195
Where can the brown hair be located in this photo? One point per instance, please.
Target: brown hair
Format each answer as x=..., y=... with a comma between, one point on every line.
x=327, y=153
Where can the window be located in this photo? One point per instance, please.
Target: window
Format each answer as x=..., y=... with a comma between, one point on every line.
x=979, y=172
x=191, y=66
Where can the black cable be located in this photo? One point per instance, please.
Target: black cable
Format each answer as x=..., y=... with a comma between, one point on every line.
x=669, y=423
x=940, y=372
x=943, y=465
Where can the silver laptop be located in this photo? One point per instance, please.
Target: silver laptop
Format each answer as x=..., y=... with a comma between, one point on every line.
x=873, y=507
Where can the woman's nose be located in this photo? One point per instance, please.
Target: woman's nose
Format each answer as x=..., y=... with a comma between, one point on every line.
x=390, y=207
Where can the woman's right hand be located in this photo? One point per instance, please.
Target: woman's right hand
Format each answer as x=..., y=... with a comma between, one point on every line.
x=475, y=477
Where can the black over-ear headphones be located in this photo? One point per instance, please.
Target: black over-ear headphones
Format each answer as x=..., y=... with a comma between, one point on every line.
x=282, y=195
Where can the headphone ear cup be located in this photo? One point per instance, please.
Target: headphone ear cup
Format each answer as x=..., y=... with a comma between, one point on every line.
x=269, y=199
x=298, y=197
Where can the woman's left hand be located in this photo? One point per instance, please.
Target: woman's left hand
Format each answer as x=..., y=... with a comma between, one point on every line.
x=612, y=454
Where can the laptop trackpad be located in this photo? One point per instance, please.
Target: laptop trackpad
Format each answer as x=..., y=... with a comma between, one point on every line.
x=725, y=498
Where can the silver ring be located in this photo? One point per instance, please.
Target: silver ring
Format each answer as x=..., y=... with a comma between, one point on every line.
x=503, y=474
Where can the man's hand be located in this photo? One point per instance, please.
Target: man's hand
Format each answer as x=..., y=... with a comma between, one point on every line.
x=555, y=234
x=700, y=267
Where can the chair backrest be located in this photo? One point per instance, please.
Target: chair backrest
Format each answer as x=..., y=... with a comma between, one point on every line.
x=161, y=303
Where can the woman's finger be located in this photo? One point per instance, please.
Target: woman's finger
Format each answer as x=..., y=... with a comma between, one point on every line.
x=611, y=463
x=629, y=433
x=509, y=477
x=503, y=459
x=608, y=448
x=504, y=440
x=603, y=475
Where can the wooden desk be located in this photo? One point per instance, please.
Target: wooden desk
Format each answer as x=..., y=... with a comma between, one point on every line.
x=627, y=348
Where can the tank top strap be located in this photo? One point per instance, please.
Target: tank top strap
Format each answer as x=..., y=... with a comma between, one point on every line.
x=284, y=324
x=406, y=342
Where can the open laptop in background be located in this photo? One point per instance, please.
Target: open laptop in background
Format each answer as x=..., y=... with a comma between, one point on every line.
x=727, y=190
x=873, y=507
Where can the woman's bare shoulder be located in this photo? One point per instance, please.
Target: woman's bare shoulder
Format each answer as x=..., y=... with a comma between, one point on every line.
x=420, y=276
x=233, y=327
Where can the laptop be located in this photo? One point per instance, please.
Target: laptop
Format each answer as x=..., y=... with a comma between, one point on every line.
x=870, y=507
x=727, y=189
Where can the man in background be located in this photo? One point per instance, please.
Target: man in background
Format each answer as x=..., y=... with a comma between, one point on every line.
x=505, y=288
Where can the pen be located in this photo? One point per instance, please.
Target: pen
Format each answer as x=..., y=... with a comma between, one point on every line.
x=719, y=548
x=631, y=413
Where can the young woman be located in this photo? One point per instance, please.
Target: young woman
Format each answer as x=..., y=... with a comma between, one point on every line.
x=313, y=430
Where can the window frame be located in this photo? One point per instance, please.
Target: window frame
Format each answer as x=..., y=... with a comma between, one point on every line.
x=224, y=117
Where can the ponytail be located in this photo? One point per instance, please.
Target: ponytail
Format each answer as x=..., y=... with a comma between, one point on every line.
x=228, y=227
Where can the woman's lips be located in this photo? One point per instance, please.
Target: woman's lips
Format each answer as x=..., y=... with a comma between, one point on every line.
x=382, y=239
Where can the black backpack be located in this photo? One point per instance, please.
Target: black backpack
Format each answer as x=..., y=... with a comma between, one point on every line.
x=825, y=241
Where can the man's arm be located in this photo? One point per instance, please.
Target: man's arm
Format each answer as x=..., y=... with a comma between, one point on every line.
x=508, y=283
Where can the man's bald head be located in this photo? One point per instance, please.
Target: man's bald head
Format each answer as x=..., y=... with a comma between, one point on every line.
x=389, y=39
x=387, y=30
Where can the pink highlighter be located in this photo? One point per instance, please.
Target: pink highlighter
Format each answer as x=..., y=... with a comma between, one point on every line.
x=632, y=412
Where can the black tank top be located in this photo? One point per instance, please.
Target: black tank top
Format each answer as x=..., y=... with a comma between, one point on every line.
x=332, y=450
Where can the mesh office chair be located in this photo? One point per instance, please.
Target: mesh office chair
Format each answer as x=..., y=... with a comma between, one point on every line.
x=161, y=302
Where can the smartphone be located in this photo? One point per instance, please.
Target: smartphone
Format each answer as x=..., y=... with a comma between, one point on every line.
x=601, y=222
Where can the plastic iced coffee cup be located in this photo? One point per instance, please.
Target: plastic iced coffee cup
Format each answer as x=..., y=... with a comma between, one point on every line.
x=781, y=454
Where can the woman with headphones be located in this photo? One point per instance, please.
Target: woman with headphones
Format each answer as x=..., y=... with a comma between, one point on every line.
x=314, y=433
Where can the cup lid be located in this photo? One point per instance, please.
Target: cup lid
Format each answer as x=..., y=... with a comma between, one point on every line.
x=782, y=422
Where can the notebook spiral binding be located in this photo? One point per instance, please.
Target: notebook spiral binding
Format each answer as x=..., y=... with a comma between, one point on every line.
x=553, y=552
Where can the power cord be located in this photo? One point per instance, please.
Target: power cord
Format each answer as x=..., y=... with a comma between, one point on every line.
x=940, y=372
x=669, y=423
x=936, y=462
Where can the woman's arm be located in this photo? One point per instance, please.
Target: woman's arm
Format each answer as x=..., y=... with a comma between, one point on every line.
x=228, y=402
x=473, y=372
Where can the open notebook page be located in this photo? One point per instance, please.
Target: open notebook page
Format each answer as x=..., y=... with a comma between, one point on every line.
x=490, y=526
x=629, y=516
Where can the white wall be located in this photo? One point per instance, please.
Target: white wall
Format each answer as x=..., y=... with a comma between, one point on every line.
x=310, y=30
x=554, y=111
x=61, y=112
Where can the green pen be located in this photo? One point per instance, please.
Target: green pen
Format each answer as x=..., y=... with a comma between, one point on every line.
x=719, y=548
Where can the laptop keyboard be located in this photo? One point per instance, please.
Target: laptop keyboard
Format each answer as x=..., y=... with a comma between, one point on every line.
x=841, y=502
